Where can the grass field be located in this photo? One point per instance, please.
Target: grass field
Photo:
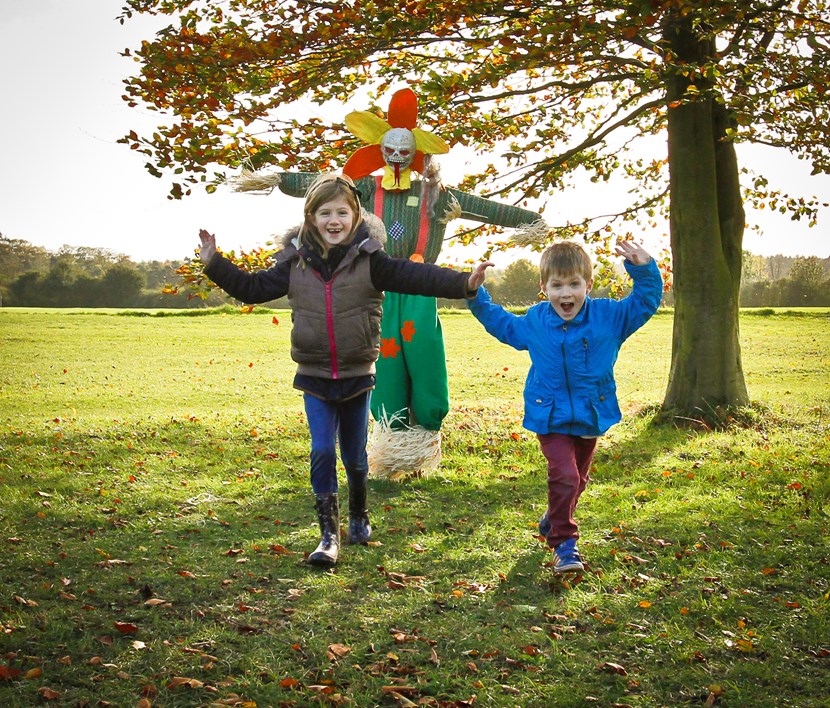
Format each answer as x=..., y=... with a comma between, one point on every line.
x=155, y=514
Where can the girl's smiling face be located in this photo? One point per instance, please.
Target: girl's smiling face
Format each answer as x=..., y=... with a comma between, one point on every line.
x=567, y=293
x=334, y=221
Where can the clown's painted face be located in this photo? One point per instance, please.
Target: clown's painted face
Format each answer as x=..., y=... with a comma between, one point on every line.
x=398, y=147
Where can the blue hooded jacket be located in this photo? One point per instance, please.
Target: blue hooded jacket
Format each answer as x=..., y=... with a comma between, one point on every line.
x=570, y=386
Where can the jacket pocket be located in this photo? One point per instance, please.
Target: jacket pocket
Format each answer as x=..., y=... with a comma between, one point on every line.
x=605, y=408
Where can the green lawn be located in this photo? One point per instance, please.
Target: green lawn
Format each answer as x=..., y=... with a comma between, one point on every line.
x=156, y=509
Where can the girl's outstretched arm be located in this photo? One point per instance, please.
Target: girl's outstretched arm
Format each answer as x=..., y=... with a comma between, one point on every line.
x=478, y=276
x=207, y=247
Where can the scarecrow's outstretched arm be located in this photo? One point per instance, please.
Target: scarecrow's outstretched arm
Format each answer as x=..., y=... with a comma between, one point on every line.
x=296, y=184
x=492, y=212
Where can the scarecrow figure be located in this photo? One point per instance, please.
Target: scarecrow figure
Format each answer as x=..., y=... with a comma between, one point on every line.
x=411, y=397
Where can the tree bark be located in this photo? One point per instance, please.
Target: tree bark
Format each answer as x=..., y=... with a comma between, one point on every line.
x=707, y=223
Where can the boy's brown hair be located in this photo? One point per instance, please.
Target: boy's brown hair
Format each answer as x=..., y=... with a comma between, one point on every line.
x=565, y=258
x=326, y=188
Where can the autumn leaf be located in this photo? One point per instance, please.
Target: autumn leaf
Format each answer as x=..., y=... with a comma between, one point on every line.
x=47, y=694
x=280, y=550
x=177, y=681
x=7, y=673
x=37, y=672
x=125, y=627
x=612, y=668
x=337, y=651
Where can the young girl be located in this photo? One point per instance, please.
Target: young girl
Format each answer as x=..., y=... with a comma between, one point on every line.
x=334, y=270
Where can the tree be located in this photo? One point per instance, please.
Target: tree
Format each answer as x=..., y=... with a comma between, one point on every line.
x=551, y=89
x=807, y=280
x=519, y=285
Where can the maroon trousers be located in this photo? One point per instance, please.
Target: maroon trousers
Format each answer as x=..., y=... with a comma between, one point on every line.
x=569, y=462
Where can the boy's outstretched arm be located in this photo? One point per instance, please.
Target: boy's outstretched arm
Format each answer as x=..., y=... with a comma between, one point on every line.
x=632, y=252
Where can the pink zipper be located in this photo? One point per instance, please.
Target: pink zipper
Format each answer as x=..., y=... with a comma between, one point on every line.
x=330, y=324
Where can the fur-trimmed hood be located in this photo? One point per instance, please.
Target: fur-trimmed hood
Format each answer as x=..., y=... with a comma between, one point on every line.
x=371, y=227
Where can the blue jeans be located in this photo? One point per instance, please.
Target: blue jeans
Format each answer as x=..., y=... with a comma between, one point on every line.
x=327, y=421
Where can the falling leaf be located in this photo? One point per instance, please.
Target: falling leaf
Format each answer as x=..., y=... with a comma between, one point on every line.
x=274, y=320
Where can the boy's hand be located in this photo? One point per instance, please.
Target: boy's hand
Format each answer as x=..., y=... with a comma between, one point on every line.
x=478, y=276
x=632, y=252
x=208, y=246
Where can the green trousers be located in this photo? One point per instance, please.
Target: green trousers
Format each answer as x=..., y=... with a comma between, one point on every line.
x=412, y=368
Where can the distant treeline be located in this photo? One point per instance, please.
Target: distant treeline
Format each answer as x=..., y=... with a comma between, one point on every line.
x=31, y=276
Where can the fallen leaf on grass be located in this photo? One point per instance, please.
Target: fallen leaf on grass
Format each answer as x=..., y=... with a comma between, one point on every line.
x=337, y=651
x=715, y=692
x=177, y=681
x=612, y=668
x=280, y=550
x=125, y=627
x=399, y=689
x=37, y=672
x=47, y=694
x=7, y=674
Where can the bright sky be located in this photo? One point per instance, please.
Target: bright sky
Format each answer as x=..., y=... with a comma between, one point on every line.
x=65, y=180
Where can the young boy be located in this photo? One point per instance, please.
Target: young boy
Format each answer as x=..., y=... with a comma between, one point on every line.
x=570, y=395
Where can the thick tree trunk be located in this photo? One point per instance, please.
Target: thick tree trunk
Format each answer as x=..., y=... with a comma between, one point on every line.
x=707, y=222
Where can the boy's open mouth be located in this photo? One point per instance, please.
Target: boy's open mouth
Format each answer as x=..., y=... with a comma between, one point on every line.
x=566, y=306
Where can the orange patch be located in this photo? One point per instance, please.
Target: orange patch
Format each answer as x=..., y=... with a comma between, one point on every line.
x=389, y=347
x=408, y=331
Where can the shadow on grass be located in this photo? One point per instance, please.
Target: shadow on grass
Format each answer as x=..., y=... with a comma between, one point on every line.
x=176, y=550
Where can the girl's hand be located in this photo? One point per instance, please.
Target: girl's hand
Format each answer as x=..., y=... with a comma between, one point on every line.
x=207, y=247
x=632, y=252
x=478, y=276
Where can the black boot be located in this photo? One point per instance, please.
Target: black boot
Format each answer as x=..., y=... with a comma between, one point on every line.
x=360, y=530
x=328, y=514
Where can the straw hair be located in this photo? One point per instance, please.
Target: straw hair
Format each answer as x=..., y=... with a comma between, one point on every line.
x=564, y=259
x=398, y=453
x=327, y=188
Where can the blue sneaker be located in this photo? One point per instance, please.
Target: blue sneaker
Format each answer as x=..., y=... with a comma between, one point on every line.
x=566, y=558
x=544, y=525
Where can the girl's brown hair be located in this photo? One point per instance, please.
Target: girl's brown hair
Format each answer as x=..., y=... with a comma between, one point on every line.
x=566, y=258
x=324, y=189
